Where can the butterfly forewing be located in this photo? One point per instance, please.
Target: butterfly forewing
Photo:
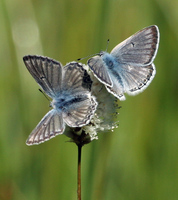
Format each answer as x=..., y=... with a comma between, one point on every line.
x=46, y=72
x=51, y=125
x=76, y=78
x=139, y=49
x=97, y=65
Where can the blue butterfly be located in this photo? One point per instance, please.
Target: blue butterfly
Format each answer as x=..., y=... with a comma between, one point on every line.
x=69, y=87
x=129, y=67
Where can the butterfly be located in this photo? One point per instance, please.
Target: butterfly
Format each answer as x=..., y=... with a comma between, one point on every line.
x=129, y=67
x=70, y=89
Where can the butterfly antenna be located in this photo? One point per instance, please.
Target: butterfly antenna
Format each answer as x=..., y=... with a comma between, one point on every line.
x=88, y=56
x=94, y=53
x=107, y=45
x=44, y=95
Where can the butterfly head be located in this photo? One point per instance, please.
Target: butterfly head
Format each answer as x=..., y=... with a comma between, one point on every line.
x=101, y=53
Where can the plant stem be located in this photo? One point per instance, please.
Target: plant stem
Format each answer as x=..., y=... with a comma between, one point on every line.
x=79, y=172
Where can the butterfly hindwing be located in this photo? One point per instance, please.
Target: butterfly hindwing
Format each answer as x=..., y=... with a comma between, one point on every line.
x=80, y=111
x=133, y=80
x=51, y=125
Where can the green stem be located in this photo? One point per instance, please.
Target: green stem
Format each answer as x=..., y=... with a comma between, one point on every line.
x=79, y=172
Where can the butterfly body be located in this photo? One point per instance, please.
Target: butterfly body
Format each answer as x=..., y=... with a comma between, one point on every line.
x=109, y=60
x=113, y=67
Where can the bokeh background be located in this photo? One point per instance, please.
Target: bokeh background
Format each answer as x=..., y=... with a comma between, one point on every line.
x=139, y=160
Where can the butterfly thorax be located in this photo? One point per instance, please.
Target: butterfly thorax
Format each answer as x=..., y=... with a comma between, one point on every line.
x=64, y=103
x=108, y=59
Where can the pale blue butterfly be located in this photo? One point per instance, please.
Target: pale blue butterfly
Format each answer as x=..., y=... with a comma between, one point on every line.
x=70, y=89
x=129, y=67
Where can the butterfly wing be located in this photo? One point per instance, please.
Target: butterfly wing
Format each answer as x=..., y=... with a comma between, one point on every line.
x=51, y=125
x=46, y=71
x=80, y=111
x=138, y=50
x=132, y=81
x=76, y=79
x=137, y=79
x=99, y=69
x=80, y=105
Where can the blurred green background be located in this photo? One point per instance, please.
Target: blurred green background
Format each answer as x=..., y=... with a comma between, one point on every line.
x=139, y=160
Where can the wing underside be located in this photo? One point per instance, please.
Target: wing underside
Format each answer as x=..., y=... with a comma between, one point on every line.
x=46, y=71
x=80, y=111
x=139, y=49
x=51, y=125
x=134, y=80
x=99, y=69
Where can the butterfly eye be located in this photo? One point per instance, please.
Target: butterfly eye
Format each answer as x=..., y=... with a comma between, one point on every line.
x=101, y=53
